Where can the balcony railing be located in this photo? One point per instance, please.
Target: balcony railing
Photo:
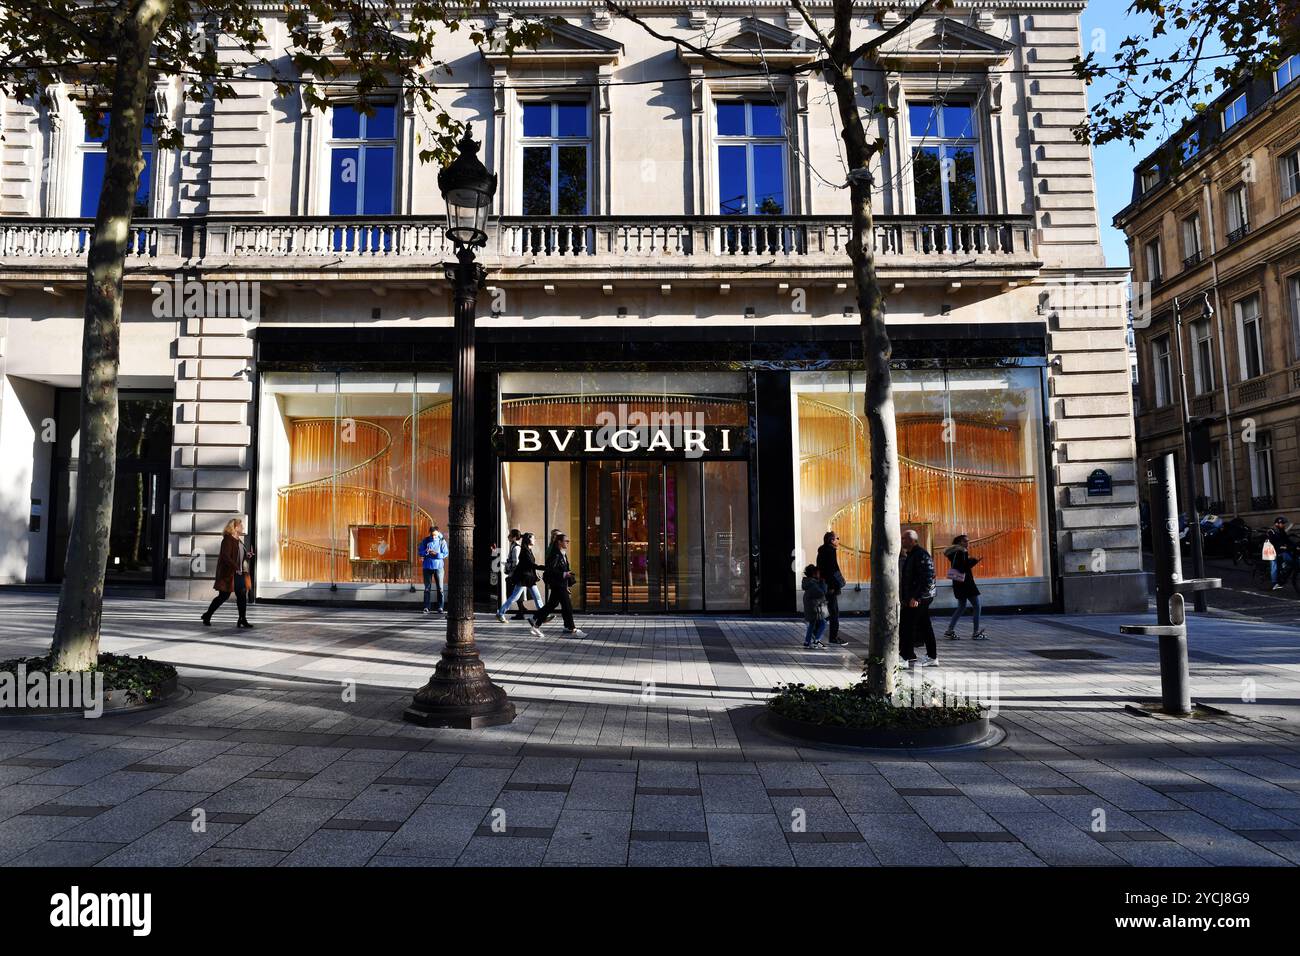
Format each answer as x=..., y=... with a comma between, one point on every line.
x=1002, y=244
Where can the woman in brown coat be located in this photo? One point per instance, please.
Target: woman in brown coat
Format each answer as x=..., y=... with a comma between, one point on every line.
x=232, y=572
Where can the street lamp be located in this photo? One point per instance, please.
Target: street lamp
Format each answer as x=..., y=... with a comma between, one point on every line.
x=460, y=693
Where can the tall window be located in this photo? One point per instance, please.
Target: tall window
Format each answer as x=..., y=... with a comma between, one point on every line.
x=363, y=160
x=1262, y=489
x=1150, y=178
x=751, y=158
x=93, y=156
x=1191, y=240
x=1291, y=174
x=1212, y=476
x=1293, y=296
x=1238, y=213
x=1250, y=337
x=1234, y=112
x=1202, y=356
x=1190, y=147
x=944, y=167
x=1289, y=71
x=1155, y=263
x=1162, y=371
x=557, y=158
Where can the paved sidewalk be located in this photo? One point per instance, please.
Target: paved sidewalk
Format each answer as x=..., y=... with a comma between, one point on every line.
x=638, y=745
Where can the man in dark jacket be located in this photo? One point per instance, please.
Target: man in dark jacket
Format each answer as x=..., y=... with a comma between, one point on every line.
x=1281, y=541
x=828, y=564
x=916, y=591
x=559, y=577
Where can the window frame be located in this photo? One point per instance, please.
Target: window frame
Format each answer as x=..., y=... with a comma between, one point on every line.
x=362, y=144
x=749, y=140
x=1153, y=257
x=86, y=147
x=1236, y=207
x=1293, y=304
x=1162, y=370
x=944, y=142
x=1289, y=177
x=1211, y=475
x=1190, y=227
x=555, y=142
x=1292, y=65
x=1263, y=478
x=1202, y=365
x=1255, y=320
x=1149, y=179
x=1232, y=107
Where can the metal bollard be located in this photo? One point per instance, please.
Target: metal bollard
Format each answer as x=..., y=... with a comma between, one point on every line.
x=1171, y=611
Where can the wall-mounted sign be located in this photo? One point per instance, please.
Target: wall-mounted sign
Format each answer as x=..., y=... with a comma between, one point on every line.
x=1099, y=484
x=643, y=441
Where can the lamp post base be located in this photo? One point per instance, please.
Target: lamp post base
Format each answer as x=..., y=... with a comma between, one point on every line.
x=460, y=695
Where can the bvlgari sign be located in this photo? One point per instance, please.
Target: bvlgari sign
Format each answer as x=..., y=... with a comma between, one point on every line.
x=641, y=441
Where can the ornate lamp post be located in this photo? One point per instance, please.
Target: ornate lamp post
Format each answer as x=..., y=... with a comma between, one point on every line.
x=460, y=693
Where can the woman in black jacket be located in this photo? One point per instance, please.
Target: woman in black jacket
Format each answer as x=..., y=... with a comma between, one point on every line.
x=559, y=578
x=522, y=578
x=964, y=590
x=828, y=565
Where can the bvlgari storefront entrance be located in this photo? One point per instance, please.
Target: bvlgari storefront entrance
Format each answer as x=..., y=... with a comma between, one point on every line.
x=649, y=475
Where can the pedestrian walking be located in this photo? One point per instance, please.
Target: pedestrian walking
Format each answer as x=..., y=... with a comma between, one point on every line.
x=1277, y=549
x=522, y=577
x=916, y=591
x=828, y=565
x=512, y=561
x=962, y=575
x=234, y=563
x=559, y=578
x=815, y=610
x=433, y=549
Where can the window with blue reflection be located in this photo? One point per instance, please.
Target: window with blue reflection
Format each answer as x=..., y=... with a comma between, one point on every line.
x=363, y=160
x=1190, y=147
x=1289, y=71
x=945, y=170
x=1235, y=112
x=751, y=157
x=93, y=164
x=556, y=152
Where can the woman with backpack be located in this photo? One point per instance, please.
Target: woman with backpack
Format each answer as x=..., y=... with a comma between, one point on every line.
x=962, y=576
x=521, y=576
x=815, y=610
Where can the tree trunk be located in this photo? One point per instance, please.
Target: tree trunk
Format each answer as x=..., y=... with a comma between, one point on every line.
x=882, y=641
x=81, y=599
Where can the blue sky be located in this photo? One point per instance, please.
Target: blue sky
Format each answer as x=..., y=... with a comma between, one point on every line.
x=1107, y=22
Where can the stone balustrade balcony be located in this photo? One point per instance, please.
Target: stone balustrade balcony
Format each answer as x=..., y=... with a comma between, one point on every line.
x=969, y=249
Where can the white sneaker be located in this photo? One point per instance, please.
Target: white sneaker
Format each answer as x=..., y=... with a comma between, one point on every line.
x=927, y=661
x=1277, y=587
x=535, y=631
x=424, y=611
x=501, y=618
x=576, y=632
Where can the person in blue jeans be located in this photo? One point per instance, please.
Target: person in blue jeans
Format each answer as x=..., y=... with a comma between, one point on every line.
x=433, y=549
x=815, y=610
x=964, y=590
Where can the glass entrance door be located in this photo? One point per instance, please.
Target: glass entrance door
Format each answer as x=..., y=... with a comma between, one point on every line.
x=630, y=539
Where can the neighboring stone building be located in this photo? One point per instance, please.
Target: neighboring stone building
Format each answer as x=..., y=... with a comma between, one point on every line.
x=669, y=259
x=1216, y=210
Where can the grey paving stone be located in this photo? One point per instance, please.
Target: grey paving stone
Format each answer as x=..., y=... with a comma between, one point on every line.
x=1031, y=773
x=590, y=836
x=336, y=848
x=667, y=773
x=866, y=793
x=526, y=808
x=284, y=824
x=431, y=767
x=440, y=831
x=215, y=774
x=132, y=819
x=995, y=854
x=64, y=853
x=657, y=853
x=952, y=813
x=601, y=790
x=997, y=793
x=833, y=854
x=1121, y=790
x=306, y=759
x=471, y=786
x=172, y=844
x=18, y=797
x=250, y=795
x=112, y=789
x=423, y=862
x=790, y=775
x=503, y=851
x=19, y=834
x=191, y=753
x=84, y=769
x=725, y=767
x=1082, y=812
x=232, y=856
x=12, y=775
x=386, y=802
x=609, y=764
x=660, y=812
x=814, y=814
x=342, y=780
x=747, y=839
x=845, y=767
x=1232, y=811
x=1055, y=840
x=1137, y=853
x=903, y=839
x=545, y=770
x=1210, y=841
x=734, y=793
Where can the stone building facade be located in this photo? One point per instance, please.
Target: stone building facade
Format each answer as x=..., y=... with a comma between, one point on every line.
x=666, y=271
x=1216, y=212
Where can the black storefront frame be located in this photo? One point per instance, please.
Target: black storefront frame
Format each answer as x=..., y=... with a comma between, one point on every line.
x=767, y=353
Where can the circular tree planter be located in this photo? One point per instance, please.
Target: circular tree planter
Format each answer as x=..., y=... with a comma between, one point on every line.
x=955, y=735
x=129, y=684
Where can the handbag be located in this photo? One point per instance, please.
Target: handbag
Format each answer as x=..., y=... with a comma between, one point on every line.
x=248, y=581
x=956, y=576
x=1269, y=553
x=823, y=611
